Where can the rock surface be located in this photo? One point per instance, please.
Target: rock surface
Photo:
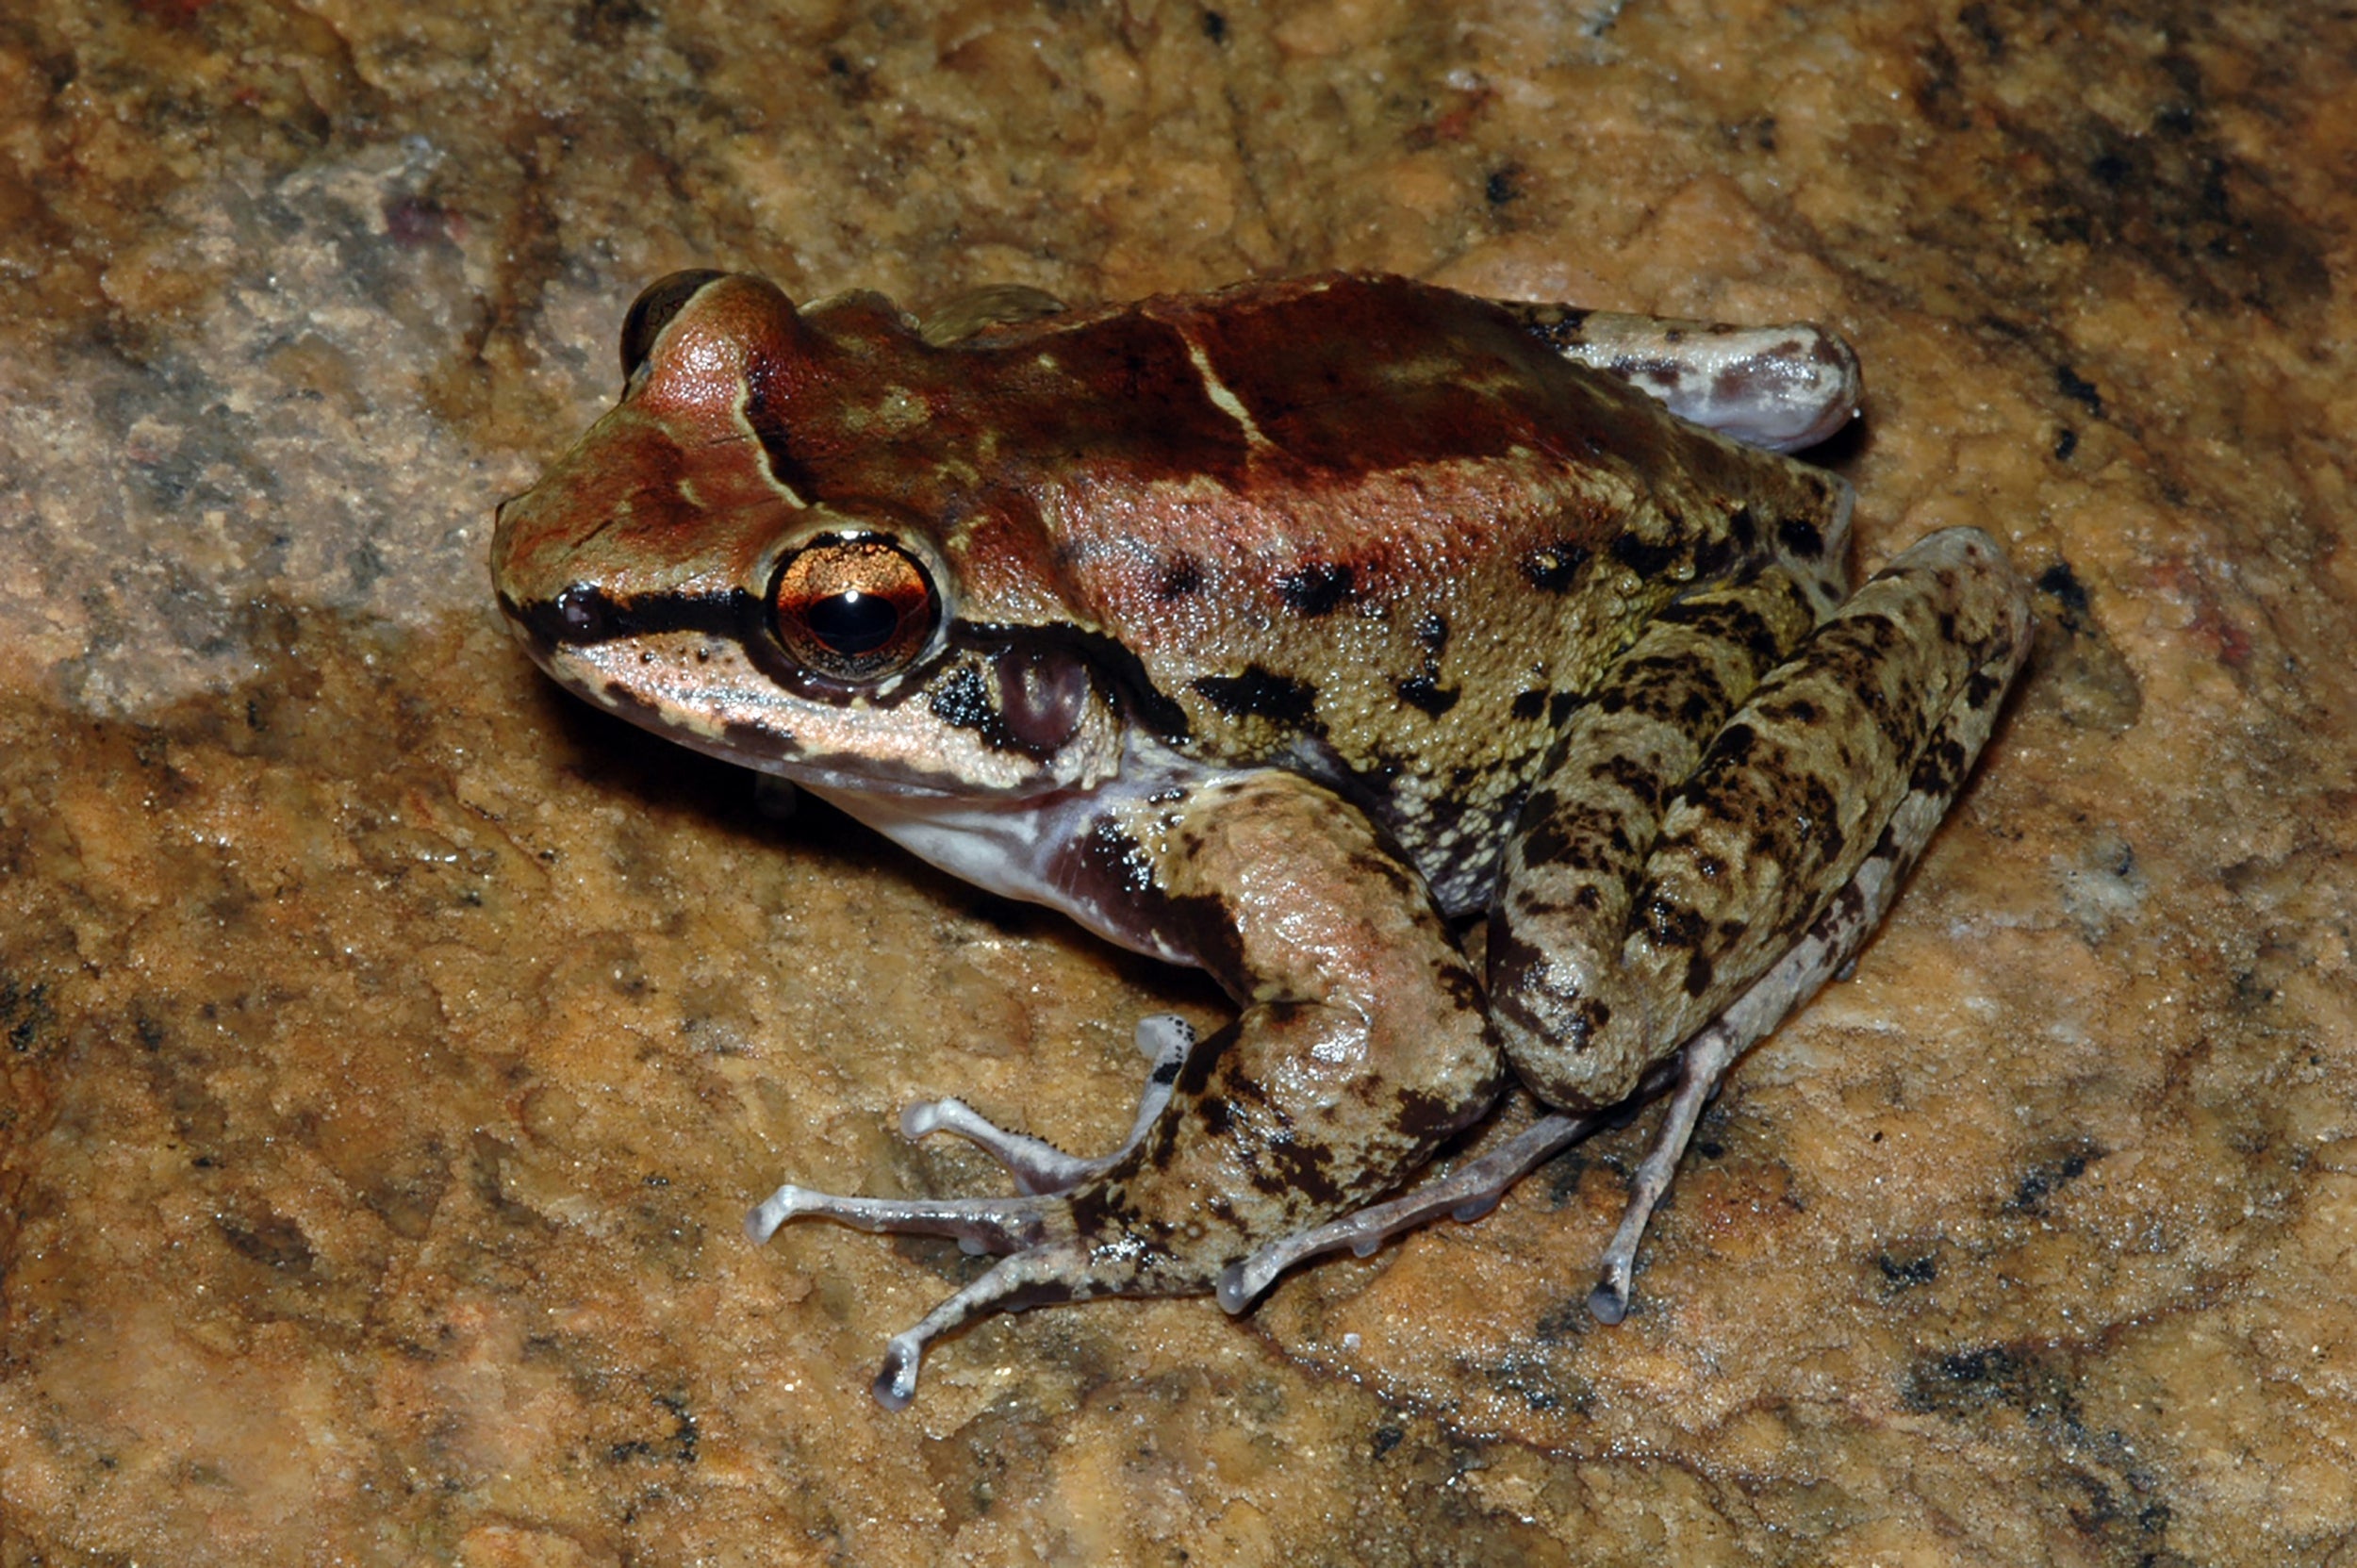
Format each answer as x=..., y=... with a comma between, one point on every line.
x=392, y=1045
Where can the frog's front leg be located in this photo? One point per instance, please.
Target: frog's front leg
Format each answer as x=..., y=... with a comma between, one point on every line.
x=1363, y=1047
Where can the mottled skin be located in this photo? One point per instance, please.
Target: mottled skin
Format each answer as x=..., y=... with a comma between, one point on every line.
x=1272, y=630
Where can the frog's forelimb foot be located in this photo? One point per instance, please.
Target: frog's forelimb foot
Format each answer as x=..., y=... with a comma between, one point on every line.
x=978, y=1224
x=1048, y=1263
x=1362, y=1048
x=1037, y=1166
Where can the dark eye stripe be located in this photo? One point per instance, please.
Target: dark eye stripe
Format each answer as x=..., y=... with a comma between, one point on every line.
x=584, y=614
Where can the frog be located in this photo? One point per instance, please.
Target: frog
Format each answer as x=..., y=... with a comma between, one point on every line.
x=1475, y=689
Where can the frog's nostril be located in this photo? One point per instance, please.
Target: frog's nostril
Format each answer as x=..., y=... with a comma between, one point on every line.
x=582, y=613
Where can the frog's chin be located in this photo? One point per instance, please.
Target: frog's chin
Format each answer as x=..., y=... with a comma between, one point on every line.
x=1042, y=849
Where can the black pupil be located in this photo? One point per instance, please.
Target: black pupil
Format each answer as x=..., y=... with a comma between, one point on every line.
x=853, y=623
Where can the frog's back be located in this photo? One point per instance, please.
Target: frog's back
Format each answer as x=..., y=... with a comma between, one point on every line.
x=1358, y=526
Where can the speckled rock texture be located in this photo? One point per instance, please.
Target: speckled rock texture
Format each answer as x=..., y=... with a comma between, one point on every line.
x=392, y=1045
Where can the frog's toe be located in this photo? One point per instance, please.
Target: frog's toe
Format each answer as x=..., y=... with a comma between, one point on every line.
x=1036, y=1165
x=1038, y=1274
x=979, y=1223
x=1039, y=1166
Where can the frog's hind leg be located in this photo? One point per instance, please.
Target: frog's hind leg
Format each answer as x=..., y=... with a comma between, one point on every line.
x=1827, y=947
x=1037, y=1166
x=1775, y=858
x=1781, y=388
x=1960, y=581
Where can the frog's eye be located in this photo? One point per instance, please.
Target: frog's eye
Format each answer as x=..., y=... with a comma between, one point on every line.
x=855, y=609
x=652, y=310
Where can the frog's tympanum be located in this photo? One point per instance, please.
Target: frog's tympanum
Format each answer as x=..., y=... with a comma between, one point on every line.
x=1281, y=631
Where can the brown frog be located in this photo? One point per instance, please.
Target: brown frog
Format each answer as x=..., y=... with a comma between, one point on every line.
x=1281, y=631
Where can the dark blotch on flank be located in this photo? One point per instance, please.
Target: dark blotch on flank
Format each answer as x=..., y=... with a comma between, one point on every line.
x=1318, y=588
x=1644, y=557
x=1426, y=695
x=1744, y=529
x=1529, y=704
x=1554, y=568
x=1800, y=537
x=1258, y=694
x=1182, y=575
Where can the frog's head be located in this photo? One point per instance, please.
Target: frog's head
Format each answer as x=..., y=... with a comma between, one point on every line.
x=668, y=570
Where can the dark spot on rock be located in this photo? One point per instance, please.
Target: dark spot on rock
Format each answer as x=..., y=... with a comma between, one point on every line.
x=274, y=1241
x=2048, y=1176
x=1504, y=185
x=2070, y=595
x=2078, y=389
x=1905, y=1274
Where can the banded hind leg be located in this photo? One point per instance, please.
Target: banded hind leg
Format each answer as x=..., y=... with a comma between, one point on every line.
x=1634, y=943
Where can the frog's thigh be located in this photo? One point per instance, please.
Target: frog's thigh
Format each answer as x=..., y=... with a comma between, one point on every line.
x=1781, y=388
x=1788, y=801
x=1571, y=870
x=1362, y=1045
